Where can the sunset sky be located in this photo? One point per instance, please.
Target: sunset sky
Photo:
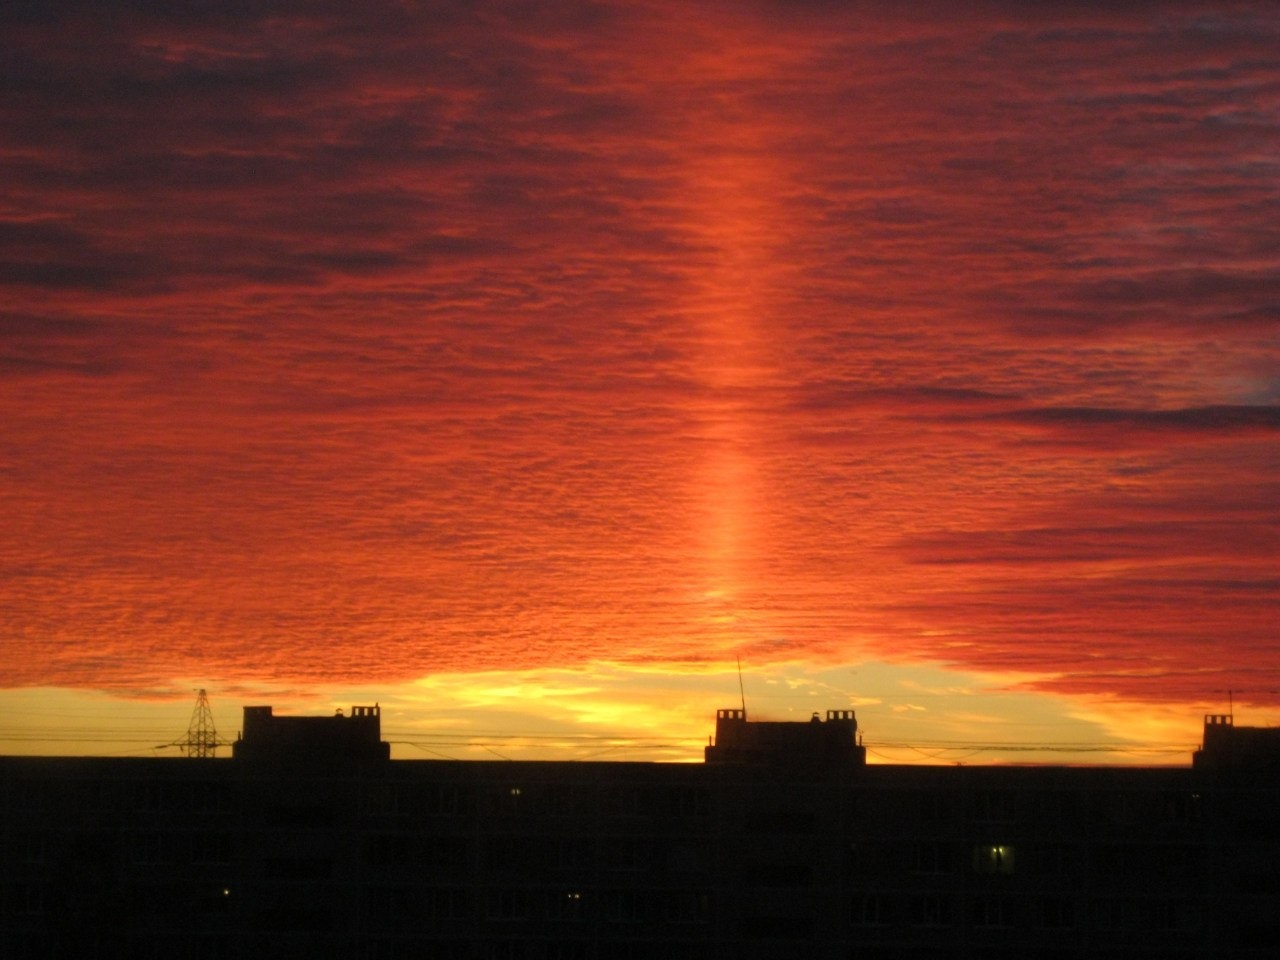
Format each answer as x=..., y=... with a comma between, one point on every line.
x=523, y=366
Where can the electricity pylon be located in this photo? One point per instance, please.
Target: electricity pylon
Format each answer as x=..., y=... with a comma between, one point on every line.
x=202, y=736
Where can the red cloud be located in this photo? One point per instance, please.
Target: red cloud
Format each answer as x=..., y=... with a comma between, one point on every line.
x=347, y=346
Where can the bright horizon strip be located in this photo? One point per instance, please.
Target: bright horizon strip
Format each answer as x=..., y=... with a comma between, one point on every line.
x=349, y=350
x=913, y=715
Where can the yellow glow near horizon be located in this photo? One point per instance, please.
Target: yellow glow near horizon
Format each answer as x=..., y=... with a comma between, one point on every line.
x=908, y=713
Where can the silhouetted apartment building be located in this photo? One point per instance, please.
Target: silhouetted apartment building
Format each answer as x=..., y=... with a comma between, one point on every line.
x=312, y=843
x=267, y=738
x=832, y=744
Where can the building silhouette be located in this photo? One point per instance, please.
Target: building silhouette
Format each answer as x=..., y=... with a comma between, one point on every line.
x=310, y=842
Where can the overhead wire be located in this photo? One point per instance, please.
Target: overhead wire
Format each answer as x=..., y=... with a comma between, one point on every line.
x=609, y=743
x=584, y=745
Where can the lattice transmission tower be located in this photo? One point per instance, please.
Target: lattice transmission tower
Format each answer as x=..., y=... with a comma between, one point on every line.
x=202, y=736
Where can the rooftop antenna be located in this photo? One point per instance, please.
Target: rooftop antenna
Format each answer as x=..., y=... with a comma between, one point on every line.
x=202, y=736
x=1231, y=698
x=741, y=691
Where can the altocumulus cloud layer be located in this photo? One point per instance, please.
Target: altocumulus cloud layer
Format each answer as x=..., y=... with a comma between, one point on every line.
x=364, y=341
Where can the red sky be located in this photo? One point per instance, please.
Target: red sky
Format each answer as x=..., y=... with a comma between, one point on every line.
x=344, y=349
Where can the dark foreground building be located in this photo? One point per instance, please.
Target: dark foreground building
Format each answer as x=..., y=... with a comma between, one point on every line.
x=311, y=843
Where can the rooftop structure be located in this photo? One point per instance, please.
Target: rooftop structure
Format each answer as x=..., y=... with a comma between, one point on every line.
x=1226, y=746
x=828, y=742
x=342, y=737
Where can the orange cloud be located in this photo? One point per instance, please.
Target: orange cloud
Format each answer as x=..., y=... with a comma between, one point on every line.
x=356, y=347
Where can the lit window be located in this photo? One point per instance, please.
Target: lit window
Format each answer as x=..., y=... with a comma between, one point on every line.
x=993, y=858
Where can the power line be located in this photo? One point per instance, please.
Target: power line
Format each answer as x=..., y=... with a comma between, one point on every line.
x=606, y=743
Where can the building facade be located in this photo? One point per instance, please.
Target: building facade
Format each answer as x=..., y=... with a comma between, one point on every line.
x=311, y=843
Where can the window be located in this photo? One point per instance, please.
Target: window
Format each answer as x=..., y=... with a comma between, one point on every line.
x=774, y=873
x=215, y=900
x=868, y=910
x=211, y=848
x=212, y=948
x=992, y=859
x=569, y=905
x=573, y=853
x=622, y=906
x=995, y=806
x=445, y=903
x=505, y=801
x=782, y=820
x=1053, y=860
x=213, y=797
x=621, y=802
x=688, y=857
x=1181, y=807
x=33, y=848
x=928, y=911
x=777, y=928
x=507, y=905
x=28, y=899
x=682, y=906
x=931, y=857
x=1055, y=914
x=387, y=904
x=1057, y=806
x=682, y=802
x=524, y=856
x=931, y=806
x=151, y=848
x=435, y=800
x=988, y=912
x=1114, y=914
x=629, y=854
x=506, y=950
x=298, y=868
x=379, y=799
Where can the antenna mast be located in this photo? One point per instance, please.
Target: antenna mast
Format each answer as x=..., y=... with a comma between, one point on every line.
x=741, y=692
x=202, y=737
